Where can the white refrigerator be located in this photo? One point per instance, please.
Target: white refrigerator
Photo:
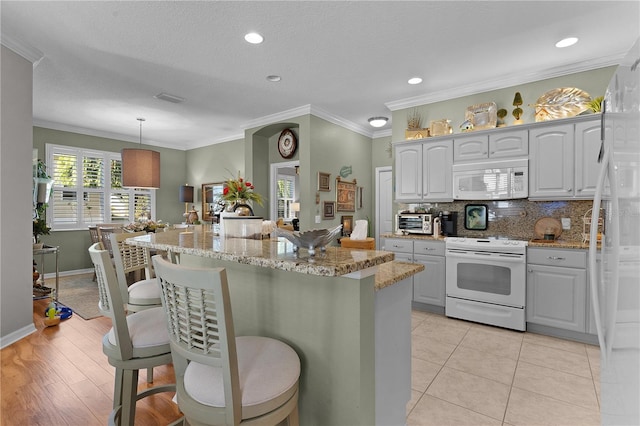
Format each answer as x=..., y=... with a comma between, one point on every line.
x=614, y=267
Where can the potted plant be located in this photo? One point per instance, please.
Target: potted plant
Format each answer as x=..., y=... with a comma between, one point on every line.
x=43, y=184
x=39, y=228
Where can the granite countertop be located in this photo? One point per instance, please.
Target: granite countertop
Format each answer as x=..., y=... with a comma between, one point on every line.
x=558, y=244
x=269, y=253
x=392, y=272
x=561, y=244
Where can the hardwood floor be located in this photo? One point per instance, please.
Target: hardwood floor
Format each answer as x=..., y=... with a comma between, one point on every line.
x=59, y=376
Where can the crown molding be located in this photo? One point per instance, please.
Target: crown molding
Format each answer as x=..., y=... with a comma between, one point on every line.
x=278, y=116
x=23, y=49
x=503, y=82
x=312, y=110
x=382, y=134
x=103, y=134
x=202, y=144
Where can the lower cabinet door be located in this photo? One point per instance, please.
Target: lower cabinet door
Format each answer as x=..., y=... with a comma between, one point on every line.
x=556, y=297
x=429, y=285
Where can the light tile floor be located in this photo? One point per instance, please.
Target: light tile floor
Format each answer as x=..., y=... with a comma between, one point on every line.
x=465, y=373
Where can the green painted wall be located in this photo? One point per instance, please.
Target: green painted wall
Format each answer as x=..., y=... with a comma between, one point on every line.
x=213, y=163
x=74, y=244
x=333, y=147
x=593, y=82
x=381, y=152
x=322, y=147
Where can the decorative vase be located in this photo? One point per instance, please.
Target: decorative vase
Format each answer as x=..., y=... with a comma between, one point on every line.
x=230, y=207
x=242, y=208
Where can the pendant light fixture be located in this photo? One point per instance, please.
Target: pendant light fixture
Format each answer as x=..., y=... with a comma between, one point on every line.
x=140, y=167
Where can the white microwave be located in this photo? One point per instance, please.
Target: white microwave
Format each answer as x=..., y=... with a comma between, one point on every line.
x=491, y=180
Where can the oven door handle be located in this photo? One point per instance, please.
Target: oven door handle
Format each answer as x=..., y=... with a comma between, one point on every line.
x=501, y=257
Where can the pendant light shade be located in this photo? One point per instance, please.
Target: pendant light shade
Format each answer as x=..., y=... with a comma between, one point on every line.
x=140, y=167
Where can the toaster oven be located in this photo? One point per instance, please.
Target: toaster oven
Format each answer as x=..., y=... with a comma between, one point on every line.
x=415, y=223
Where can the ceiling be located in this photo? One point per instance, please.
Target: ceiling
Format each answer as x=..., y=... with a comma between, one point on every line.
x=101, y=63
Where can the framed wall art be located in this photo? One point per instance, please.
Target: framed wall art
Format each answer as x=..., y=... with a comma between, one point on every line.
x=324, y=181
x=475, y=217
x=347, y=225
x=328, y=209
x=345, y=195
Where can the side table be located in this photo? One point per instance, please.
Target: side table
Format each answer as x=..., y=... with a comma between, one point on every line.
x=41, y=252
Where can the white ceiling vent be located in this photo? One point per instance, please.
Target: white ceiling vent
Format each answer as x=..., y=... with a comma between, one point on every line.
x=169, y=98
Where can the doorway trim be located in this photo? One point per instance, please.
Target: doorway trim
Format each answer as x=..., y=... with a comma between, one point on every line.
x=378, y=171
x=273, y=176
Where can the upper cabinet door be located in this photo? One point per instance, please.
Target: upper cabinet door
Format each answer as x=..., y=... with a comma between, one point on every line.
x=470, y=148
x=551, y=162
x=587, y=166
x=437, y=183
x=408, y=172
x=509, y=144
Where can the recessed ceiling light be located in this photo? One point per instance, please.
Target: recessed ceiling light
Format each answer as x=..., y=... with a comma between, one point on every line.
x=274, y=78
x=415, y=80
x=566, y=42
x=254, y=38
x=378, y=121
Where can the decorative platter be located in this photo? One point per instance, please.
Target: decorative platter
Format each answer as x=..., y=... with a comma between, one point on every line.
x=542, y=225
x=563, y=102
x=482, y=116
x=287, y=143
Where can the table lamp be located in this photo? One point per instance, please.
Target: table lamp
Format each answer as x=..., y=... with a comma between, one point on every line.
x=186, y=197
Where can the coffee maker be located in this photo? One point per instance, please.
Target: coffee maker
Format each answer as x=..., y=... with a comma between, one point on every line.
x=449, y=223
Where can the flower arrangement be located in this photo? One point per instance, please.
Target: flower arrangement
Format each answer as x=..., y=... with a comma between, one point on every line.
x=239, y=189
x=147, y=226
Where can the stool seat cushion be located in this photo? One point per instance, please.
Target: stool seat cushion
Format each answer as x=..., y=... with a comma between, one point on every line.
x=268, y=370
x=145, y=292
x=147, y=328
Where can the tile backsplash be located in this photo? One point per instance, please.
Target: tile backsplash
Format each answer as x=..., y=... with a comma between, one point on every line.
x=516, y=218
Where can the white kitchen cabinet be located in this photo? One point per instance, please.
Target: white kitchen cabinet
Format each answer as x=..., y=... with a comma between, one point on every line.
x=563, y=160
x=470, y=148
x=557, y=288
x=423, y=171
x=500, y=144
x=587, y=147
x=428, y=285
x=437, y=177
x=551, y=161
x=408, y=172
x=401, y=247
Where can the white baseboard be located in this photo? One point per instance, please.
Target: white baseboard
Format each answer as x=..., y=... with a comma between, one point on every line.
x=16, y=335
x=69, y=273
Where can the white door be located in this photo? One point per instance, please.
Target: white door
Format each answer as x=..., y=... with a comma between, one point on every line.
x=384, y=203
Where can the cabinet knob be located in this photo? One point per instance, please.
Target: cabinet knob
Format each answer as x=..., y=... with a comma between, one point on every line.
x=570, y=189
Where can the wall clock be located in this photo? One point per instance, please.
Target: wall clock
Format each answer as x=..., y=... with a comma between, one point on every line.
x=287, y=143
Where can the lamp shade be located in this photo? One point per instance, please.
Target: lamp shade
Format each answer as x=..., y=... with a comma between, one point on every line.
x=186, y=194
x=295, y=207
x=208, y=196
x=140, y=168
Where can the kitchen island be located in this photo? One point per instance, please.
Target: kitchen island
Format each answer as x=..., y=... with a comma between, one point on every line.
x=346, y=312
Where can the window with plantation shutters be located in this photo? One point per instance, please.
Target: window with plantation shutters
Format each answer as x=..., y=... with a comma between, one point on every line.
x=87, y=189
x=285, y=196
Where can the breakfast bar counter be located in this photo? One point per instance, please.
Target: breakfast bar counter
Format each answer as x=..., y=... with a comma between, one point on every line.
x=346, y=312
